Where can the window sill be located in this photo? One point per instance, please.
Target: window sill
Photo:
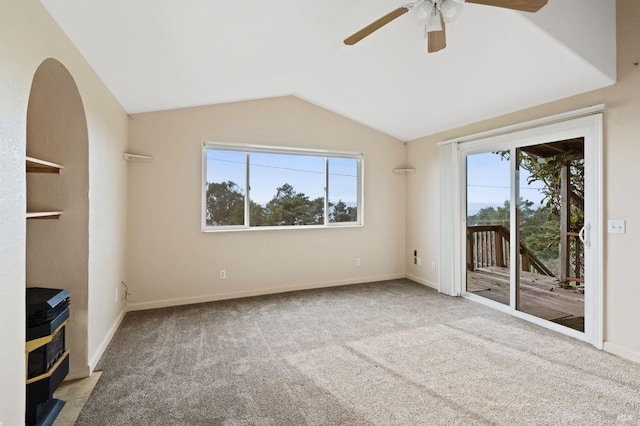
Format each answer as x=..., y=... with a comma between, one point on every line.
x=278, y=228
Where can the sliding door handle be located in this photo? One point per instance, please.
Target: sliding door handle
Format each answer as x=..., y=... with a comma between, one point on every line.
x=584, y=235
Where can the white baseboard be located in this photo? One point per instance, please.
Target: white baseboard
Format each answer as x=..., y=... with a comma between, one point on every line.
x=93, y=360
x=256, y=292
x=85, y=371
x=622, y=352
x=422, y=281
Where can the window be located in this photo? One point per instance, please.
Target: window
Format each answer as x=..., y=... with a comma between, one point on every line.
x=260, y=187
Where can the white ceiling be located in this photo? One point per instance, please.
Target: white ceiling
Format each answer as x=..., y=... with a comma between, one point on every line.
x=164, y=54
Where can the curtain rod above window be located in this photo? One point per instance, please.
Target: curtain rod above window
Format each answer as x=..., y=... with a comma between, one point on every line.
x=582, y=112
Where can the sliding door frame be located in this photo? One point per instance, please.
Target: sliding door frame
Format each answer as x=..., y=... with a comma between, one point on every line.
x=587, y=125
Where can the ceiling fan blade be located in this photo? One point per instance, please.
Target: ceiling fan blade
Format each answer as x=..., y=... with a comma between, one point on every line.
x=523, y=5
x=376, y=25
x=437, y=40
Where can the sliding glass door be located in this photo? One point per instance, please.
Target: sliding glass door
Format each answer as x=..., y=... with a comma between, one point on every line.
x=488, y=226
x=550, y=216
x=529, y=207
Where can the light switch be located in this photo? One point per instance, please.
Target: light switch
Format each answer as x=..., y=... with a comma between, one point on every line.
x=616, y=226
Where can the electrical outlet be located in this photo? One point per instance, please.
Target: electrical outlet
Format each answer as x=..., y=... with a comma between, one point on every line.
x=357, y=261
x=433, y=266
x=223, y=274
x=117, y=299
x=616, y=226
x=418, y=261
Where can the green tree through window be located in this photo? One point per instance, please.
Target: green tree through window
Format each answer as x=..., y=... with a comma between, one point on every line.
x=225, y=204
x=237, y=180
x=289, y=207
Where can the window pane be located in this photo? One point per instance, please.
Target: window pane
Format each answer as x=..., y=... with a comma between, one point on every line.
x=343, y=190
x=225, y=187
x=488, y=225
x=286, y=190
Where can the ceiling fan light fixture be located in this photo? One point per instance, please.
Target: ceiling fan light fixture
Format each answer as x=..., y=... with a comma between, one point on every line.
x=422, y=11
x=434, y=23
x=451, y=10
x=427, y=13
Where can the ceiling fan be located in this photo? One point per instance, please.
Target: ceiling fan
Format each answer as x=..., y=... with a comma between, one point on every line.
x=433, y=14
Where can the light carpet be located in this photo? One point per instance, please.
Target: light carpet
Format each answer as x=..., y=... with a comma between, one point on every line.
x=387, y=353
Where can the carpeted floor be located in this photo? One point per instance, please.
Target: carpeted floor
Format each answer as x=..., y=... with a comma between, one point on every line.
x=388, y=353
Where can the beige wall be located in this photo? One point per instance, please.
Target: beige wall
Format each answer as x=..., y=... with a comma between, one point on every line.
x=28, y=36
x=108, y=132
x=171, y=261
x=622, y=201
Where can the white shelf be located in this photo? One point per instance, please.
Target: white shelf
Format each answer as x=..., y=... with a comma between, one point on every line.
x=44, y=215
x=404, y=171
x=35, y=165
x=136, y=158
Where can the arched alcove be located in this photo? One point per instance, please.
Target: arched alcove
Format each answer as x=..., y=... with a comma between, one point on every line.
x=57, y=250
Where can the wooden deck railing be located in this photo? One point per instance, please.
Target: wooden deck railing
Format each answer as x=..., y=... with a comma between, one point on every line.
x=488, y=245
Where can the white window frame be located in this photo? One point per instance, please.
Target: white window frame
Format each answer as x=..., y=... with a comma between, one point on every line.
x=248, y=149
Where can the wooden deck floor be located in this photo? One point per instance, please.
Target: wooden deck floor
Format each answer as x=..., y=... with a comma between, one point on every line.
x=540, y=295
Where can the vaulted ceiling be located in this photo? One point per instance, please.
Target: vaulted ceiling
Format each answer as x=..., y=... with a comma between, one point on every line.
x=163, y=54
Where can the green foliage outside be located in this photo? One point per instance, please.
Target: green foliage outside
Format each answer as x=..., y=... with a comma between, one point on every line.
x=538, y=231
x=225, y=206
x=289, y=207
x=540, y=228
x=340, y=212
x=549, y=172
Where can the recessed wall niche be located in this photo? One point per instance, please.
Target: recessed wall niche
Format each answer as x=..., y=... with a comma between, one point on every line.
x=57, y=252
